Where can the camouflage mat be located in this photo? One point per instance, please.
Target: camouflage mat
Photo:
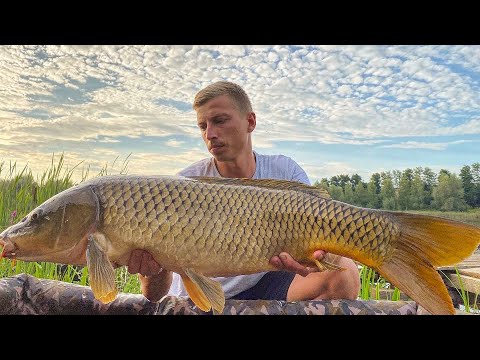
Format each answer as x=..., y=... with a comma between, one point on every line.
x=26, y=294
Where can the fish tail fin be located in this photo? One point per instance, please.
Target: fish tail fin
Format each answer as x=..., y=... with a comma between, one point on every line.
x=426, y=242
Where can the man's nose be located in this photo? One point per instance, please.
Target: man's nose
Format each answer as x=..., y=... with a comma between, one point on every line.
x=211, y=132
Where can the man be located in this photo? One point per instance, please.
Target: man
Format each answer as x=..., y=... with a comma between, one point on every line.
x=226, y=121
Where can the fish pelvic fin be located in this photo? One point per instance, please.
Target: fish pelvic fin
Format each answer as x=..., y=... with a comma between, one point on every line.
x=101, y=271
x=205, y=293
x=426, y=242
x=324, y=265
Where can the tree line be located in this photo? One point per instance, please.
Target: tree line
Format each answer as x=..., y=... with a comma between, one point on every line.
x=411, y=189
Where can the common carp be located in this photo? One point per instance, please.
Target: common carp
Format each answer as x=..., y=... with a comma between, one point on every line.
x=203, y=227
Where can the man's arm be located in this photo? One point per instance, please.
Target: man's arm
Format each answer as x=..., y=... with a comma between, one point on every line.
x=155, y=281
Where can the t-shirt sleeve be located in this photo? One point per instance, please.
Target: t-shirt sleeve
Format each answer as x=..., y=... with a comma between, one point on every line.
x=298, y=174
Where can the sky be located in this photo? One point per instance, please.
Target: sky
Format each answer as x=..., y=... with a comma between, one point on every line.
x=333, y=109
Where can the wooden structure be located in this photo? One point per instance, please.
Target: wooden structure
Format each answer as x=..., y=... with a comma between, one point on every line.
x=468, y=278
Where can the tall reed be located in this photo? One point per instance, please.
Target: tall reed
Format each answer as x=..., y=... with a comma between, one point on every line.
x=20, y=193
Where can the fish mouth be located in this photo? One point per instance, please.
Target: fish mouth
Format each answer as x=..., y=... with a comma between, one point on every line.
x=8, y=246
x=9, y=249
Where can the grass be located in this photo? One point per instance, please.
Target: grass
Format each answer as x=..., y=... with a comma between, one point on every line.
x=471, y=216
x=20, y=193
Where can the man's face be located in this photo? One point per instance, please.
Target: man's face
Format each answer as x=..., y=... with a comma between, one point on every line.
x=225, y=130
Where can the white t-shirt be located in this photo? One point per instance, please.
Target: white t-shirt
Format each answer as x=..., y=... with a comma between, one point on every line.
x=267, y=166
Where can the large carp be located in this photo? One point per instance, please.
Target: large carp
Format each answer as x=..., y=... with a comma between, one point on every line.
x=204, y=227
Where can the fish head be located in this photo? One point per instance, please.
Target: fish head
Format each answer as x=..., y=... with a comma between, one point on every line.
x=54, y=231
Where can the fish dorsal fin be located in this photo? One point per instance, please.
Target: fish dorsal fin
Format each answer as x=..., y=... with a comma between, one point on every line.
x=100, y=269
x=274, y=184
x=205, y=293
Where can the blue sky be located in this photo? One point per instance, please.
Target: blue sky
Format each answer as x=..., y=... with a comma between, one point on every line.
x=334, y=109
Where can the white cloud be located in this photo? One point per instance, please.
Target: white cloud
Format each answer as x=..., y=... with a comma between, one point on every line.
x=174, y=143
x=66, y=98
x=424, y=145
x=329, y=169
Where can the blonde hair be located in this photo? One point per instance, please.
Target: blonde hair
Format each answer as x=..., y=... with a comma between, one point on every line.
x=232, y=90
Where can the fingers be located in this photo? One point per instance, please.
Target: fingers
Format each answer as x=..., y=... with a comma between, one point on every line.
x=285, y=261
x=319, y=254
x=151, y=266
x=142, y=262
x=135, y=261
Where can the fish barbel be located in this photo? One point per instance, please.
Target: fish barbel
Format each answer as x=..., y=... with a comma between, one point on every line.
x=203, y=227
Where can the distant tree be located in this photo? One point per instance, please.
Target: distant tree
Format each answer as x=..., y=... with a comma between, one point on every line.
x=344, y=180
x=355, y=180
x=348, y=195
x=336, y=192
x=376, y=179
x=408, y=174
x=405, y=190
x=361, y=195
x=443, y=172
x=373, y=189
x=334, y=180
x=476, y=181
x=385, y=175
x=468, y=185
x=417, y=192
x=322, y=184
x=396, y=177
x=448, y=194
x=388, y=194
x=430, y=180
x=418, y=171
x=476, y=173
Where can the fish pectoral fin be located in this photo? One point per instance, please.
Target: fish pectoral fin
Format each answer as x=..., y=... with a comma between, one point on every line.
x=324, y=265
x=205, y=293
x=101, y=271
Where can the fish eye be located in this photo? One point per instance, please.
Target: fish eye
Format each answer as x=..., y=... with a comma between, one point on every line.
x=36, y=214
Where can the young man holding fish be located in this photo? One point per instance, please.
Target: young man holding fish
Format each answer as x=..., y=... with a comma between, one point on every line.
x=226, y=121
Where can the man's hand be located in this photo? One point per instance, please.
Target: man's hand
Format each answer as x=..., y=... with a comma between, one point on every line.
x=155, y=281
x=285, y=261
x=143, y=263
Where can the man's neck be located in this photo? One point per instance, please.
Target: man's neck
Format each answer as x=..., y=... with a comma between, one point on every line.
x=242, y=167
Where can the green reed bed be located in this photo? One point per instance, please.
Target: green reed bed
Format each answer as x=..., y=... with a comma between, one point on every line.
x=471, y=216
x=20, y=193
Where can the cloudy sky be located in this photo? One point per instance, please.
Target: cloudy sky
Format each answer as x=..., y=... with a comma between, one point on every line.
x=334, y=109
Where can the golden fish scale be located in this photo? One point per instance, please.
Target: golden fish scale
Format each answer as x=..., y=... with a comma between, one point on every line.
x=214, y=227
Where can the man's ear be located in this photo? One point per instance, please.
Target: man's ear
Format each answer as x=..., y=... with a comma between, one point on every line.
x=252, y=121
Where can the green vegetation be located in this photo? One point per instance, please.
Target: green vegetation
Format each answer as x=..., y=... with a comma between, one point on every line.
x=20, y=193
x=411, y=189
